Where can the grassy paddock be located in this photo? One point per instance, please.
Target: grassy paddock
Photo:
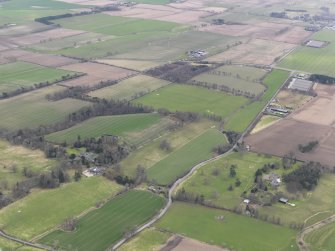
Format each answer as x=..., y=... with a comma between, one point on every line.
x=45, y=209
x=7, y=245
x=153, y=153
x=114, y=25
x=183, y=159
x=193, y=99
x=102, y=227
x=83, y=39
x=241, y=78
x=313, y=60
x=235, y=232
x=149, y=239
x=117, y=125
x=22, y=74
x=33, y=109
x=19, y=157
x=322, y=239
x=214, y=187
x=129, y=88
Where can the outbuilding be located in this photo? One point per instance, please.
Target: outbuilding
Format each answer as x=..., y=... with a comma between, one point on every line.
x=283, y=200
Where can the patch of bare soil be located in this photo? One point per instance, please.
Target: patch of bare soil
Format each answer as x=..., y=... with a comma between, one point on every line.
x=95, y=73
x=186, y=244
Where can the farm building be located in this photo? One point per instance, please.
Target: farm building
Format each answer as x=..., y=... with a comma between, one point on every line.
x=283, y=200
x=196, y=54
x=273, y=178
x=90, y=157
x=277, y=111
x=315, y=43
x=301, y=85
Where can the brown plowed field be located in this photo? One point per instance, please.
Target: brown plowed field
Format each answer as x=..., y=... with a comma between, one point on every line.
x=315, y=121
x=95, y=73
x=193, y=245
x=84, y=81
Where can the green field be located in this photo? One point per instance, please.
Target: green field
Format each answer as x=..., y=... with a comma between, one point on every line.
x=308, y=205
x=235, y=232
x=118, y=125
x=153, y=153
x=33, y=109
x=37, y=4
x=159, y=46
x=183, y=159
x=236, y=78
x=86, y=38
x=265, y=122
x=129, y=88
x=114, y=25
x=322, y=239
x=44, y=209
x=149, y=239
x=176, y=44
x=313, y=60
x=240, y=120
x=193, y=99
x=22, y=12
x=7, y=245
x=22, y=74
x=101, y=228
x=113, y=46
x=215, y=187
x=13, y=159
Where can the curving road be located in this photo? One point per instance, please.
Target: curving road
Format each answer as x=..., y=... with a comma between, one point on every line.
x=169, y=202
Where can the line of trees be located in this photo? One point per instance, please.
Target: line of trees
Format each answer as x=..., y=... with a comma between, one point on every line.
x=305, y=177
x=323, y=79
x=309, y=147
x=34, y=138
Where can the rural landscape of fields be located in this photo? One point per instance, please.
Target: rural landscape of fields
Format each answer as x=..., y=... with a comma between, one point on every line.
x=167, y=125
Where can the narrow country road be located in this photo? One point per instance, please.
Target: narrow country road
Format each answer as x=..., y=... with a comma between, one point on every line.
x=169, y=202
x=27, y=243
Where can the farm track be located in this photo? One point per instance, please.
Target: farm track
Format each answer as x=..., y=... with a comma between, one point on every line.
x=300, y=238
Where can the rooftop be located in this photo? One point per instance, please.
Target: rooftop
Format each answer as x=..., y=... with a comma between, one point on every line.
x=301, y=85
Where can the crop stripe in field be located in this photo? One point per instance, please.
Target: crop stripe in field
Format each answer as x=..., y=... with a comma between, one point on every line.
x=122, y=213
x=186, y=143
x=127, y=211
x=127, y=214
